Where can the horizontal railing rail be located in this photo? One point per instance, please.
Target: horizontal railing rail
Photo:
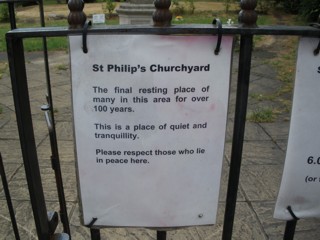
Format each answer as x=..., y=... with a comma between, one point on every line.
x=201, y=29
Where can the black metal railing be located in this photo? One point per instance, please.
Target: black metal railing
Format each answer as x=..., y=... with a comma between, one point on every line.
x=246, y=30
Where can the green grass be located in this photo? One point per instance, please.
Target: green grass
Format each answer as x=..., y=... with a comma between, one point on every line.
x=60, y=43
x=284, y=64
x=262, y=115
x=205, y=17
x=3, y=29
x=53, y=2
x=3, y=68
x=62, y=67
x=36, y=44
x=263, y=97
x=196, y=18
x=265, y=20
x=54, y=43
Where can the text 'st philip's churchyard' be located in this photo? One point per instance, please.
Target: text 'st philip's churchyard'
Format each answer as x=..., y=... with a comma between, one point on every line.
x=150, y=119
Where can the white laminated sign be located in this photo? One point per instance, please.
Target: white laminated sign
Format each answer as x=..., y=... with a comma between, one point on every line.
x=150, y=122
x=300, y=185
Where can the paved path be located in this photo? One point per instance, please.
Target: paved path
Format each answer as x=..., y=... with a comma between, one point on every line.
x=263, y=158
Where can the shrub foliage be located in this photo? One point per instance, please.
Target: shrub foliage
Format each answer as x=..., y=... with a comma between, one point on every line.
x=4, y=13
x=310, y=9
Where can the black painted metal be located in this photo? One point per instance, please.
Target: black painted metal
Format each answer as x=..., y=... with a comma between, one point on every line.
x=55, y=162
x=55, y=159
x=12, y=18
x=53, y=219
x=53, y=140
x=200, y=29
x=290, y=230
x=11, y=4
x=161, y=235
x=95, y=234
x=19, y=84
x=26, y=134
x=246, y=44
x=9, y=201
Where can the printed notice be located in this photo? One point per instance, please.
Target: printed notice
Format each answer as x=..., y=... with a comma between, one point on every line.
x=300, y=186
x=150, y=121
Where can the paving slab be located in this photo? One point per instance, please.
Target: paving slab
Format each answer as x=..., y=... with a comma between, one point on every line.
x=264, y=85
x=279, y=131
x=253, y=131
x=65, y=148
x=10, y=131
x=11, y=150
x=10, y=170
x=260, y=153
x=5, y=116
x=19, y=189
x=24, y=217
x=65, y=131
x=306, y=228
x=261, y=182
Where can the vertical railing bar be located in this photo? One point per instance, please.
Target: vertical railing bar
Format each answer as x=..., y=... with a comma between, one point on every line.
x=9, y=201
x=238, y=133
x=53, y=136
x=161, y=235
x=95, y=234
x=27, y=139
x=12, y=17
x=57, y=170
x=290, y=230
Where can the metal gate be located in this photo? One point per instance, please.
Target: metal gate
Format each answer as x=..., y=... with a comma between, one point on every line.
x=247, y=29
